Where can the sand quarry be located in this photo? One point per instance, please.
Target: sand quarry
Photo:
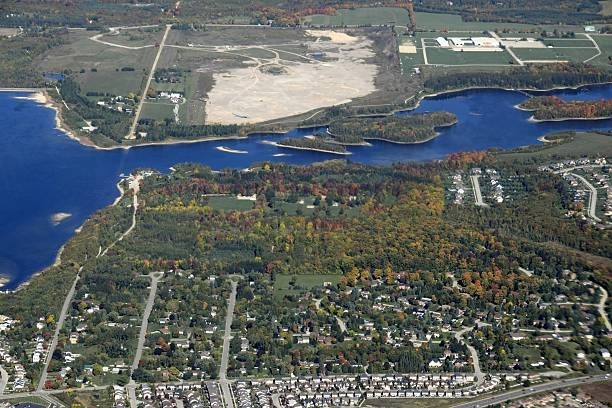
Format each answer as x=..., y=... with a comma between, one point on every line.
x=271, y=88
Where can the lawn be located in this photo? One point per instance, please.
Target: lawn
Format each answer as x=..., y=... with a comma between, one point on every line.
x=443, y=56
x=583, y=144
x=552, y=54
x=111, y=81
x=157, y=110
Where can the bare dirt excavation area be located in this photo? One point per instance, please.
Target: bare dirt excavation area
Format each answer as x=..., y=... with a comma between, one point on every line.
x=334, y=69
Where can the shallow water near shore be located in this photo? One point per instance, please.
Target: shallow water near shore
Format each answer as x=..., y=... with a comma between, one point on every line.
x=43, y=172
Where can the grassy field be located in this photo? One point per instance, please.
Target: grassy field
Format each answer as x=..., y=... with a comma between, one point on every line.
x=605, y=44
x=583, y=144
x=98, y=66
x=553, y=54
x=157, y=110
x=285, y=284
x=135, y=37
x=362, y=16
x=229, y=203
x=444, y=56
x=563, y=42
x=424, y=21
x=606, y=7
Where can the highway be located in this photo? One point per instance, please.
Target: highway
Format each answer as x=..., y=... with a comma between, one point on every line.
x=227, y=336
x=536, y=389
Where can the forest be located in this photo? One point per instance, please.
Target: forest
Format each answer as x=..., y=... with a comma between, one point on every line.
x=82, y=14
x=555, y=108
x=317, y=142
x=545, y=76
x=415, y=128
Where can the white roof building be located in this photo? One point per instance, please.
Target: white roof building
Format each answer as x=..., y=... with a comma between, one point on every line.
x=485, y=42
x=442, y=42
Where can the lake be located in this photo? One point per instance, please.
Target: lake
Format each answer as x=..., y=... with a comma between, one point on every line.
x=43, y=172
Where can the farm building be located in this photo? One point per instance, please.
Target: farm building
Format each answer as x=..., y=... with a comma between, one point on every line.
x=485, y=42
x=442, y=42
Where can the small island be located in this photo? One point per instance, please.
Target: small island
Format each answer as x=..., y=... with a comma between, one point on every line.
x=549, y=108
x=316, y=143
x=410, y=129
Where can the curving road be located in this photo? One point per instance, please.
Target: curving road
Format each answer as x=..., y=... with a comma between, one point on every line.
x=3, y=379
x=227, y=336
x=536, y=389
x=477, y=372
x=592, y=197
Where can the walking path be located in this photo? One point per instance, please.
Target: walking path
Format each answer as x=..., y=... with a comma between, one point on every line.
x=596, y=46
x=602, y=308
x=131, y=133
x=227, y=336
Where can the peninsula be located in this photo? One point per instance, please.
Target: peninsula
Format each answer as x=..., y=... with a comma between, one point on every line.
x=553, y=108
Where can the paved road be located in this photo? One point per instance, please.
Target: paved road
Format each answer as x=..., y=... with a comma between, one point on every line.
x=477, y=372
x=135, y=186
x=155, y=277
x=227, y=336
x=592, y=197
x=477, y=193
x=58, y=326
x=523, y=392
x=132, y=130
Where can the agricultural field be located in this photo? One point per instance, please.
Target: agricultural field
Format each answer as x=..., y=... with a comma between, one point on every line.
x=98, y=67
x=362, y=16
x=424, y=21
x=442, y=56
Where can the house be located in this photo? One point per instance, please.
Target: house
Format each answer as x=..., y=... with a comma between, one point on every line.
x=605, y=353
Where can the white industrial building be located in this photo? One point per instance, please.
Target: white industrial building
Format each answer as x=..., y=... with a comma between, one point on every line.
x=485, y=42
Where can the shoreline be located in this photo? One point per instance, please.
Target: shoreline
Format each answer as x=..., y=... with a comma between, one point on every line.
x=534, y=120
x=43, y=98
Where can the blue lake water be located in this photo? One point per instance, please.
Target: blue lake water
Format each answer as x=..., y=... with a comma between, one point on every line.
x=43, y=172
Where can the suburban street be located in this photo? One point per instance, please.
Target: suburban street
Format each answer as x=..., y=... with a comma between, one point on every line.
x=523, y=392
x=477, y=372
x=601, y=306
x=155, y=277
x=477, y=193
x=227, y=336
x=592, y=197
x=58, y=326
